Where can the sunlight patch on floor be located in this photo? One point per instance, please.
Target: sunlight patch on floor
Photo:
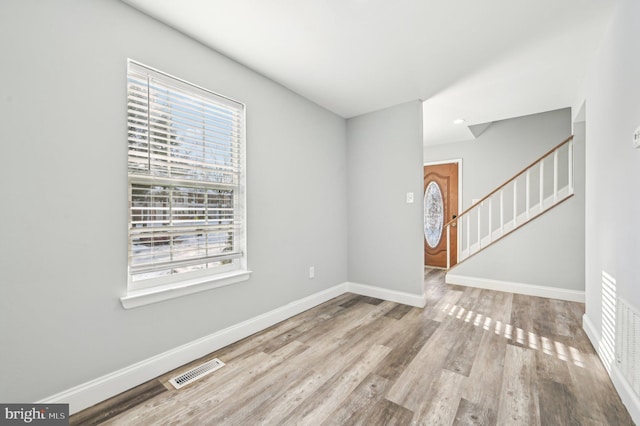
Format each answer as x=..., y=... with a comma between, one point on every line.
x=525, y=338
x=607, y=344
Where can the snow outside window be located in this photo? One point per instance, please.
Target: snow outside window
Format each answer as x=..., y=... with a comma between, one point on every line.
x=186, y=181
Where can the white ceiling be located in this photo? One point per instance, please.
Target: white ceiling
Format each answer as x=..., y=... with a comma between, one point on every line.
x=481, y=60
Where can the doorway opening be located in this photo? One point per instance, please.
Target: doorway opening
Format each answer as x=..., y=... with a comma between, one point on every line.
x=442, y=194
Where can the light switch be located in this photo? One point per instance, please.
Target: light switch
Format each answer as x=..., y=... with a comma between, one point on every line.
x=409, y=197
x=636, y=138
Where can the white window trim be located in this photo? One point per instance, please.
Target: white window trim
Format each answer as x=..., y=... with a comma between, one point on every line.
x=149, y=295
x=201, y=280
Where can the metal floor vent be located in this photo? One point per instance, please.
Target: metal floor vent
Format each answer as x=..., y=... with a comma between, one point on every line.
x=196, y=373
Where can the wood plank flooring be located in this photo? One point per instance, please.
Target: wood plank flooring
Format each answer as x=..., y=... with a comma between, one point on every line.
x=470, y=357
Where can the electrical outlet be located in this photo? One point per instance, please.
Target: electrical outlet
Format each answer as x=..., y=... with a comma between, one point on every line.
x=312, y=272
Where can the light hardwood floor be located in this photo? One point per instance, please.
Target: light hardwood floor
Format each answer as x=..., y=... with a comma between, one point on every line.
x=470, y=357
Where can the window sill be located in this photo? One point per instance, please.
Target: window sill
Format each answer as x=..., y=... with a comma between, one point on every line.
x=147, y=296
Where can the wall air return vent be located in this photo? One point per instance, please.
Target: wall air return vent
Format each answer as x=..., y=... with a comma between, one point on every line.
x=628, y=343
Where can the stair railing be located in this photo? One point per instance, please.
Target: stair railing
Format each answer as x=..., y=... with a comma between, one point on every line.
x=520, y=199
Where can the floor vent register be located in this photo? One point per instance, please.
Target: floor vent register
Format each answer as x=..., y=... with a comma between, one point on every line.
x=196, y=373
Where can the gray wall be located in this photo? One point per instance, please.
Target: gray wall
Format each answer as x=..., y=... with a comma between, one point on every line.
x=385, y=233
x=613, y=173
x=549, y=251
x=63, y=251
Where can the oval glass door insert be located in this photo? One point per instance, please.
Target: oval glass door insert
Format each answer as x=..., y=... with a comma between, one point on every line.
x=433, y=214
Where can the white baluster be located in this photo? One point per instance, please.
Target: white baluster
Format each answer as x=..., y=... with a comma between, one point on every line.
x=515, y=202
x=555, y=175
x=479, y=227
x=570, y=167
x=468, y=233
x=501, y=212
x=448, y=246
x=490, y=217
x=541, y=183
x=528, y=191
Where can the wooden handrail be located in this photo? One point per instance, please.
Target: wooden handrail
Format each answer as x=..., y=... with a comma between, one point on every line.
x=520, y=173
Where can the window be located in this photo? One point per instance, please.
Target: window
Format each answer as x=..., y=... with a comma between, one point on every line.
x=186, y=182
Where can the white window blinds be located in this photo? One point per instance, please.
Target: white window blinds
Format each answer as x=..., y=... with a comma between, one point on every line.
x=186, y=179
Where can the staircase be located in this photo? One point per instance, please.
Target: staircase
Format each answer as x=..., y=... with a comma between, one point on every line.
x=539, y=187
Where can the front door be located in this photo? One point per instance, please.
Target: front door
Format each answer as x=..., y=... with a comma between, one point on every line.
x=440, y=206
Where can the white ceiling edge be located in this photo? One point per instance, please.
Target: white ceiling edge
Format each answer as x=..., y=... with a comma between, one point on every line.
x=521, y=84
x=478, y=129
x=481, y=61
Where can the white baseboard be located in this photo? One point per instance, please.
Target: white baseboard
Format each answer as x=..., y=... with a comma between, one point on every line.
x=592, y=333
x=109, y=385
x=627, y=395
x=391, y=295
x=519, y=288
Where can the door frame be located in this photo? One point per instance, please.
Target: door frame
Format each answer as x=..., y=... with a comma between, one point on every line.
x=435, y=163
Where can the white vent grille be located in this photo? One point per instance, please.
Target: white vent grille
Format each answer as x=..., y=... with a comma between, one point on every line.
x=196, y=373
x=628, y=343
